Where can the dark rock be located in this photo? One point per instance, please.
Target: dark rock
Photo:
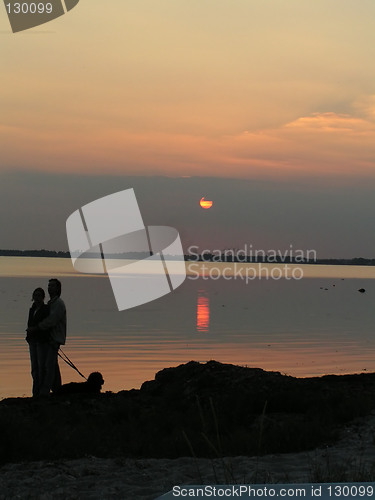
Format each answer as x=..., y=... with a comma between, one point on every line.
x=205, y=409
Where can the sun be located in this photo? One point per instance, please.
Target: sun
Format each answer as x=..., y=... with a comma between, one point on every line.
x=205, y=203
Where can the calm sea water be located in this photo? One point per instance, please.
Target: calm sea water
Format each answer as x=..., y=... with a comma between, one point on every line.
x=313, y=326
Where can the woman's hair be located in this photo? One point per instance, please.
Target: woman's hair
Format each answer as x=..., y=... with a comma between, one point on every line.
x=39, y=290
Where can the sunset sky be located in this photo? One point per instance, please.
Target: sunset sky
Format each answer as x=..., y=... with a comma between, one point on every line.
x=270, y=102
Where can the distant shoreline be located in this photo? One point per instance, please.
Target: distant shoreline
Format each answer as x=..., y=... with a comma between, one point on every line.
x=357, y=261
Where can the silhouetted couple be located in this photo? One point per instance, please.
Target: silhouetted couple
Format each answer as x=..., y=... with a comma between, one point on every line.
x=46, y=331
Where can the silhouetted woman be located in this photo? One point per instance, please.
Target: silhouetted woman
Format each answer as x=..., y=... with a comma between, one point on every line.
x=38, y=339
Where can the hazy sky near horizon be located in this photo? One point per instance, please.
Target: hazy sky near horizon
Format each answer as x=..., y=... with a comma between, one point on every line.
x=335, y=221
x=277, y=97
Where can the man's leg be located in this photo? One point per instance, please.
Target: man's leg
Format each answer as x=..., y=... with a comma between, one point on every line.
x=50, y=368
x=57, y=380
x=42, y=349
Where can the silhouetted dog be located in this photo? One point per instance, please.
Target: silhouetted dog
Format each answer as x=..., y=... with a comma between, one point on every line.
x=93, y=385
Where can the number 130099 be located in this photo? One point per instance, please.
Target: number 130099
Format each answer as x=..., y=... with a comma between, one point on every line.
x=29, y=8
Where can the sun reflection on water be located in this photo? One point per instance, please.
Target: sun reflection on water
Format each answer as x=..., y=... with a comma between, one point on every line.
x=203, y=312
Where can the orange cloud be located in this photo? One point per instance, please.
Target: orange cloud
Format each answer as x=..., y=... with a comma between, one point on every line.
x=322, y=143
x=316, y=145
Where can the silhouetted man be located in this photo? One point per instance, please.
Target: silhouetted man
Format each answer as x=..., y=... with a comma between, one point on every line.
x=55, y=324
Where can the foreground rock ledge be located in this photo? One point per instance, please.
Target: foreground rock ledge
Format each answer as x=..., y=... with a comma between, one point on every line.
x=196, y=409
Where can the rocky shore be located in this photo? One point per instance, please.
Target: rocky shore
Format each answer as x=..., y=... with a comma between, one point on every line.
x=190, y=417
